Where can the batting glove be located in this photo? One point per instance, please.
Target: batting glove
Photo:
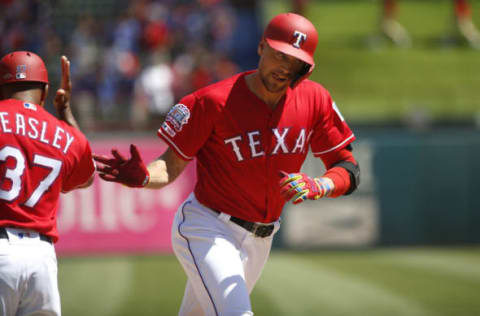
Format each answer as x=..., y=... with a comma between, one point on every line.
x=130, y=172
x=299, y=187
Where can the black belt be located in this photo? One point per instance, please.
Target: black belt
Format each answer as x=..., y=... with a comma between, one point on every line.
x=4, y=235
x=258, y=230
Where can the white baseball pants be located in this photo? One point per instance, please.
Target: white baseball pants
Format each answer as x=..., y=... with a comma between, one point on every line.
x=222, y=260
x=28, y=275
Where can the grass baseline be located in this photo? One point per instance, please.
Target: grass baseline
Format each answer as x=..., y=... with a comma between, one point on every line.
x=399, y=281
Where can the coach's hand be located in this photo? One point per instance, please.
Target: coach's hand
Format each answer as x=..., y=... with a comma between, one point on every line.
x=63, y=95
x=299, y=187
x=131, y=172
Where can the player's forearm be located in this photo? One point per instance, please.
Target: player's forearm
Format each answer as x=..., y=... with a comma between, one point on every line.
x=158, y=174
x=165, y=169
x=339, y=180
x=345, y=175
x=343, y=170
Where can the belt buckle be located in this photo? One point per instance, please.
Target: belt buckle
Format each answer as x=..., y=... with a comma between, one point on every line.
x=262, y=230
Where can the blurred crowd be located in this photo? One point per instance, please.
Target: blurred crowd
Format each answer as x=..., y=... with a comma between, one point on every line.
x=132, y=59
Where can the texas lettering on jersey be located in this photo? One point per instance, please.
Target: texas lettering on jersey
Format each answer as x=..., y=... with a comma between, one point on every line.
x=256, y=148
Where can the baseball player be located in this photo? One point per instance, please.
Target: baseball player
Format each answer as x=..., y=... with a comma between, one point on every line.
x=390, y=26
x=464, y=23
x=250, y=135
x=40, y=156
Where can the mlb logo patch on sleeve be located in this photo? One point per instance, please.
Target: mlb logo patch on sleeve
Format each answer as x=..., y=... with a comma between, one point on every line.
x=178, y=116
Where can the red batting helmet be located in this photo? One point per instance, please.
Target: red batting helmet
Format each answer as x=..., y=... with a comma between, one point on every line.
x=22, y=66
x=294, y=35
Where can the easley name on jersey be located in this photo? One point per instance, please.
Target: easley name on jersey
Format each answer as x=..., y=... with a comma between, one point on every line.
x=31, y=127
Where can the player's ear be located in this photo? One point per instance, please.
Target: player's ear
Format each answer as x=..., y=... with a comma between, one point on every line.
x=261, y=47
x=5, y=92
x=44, y=95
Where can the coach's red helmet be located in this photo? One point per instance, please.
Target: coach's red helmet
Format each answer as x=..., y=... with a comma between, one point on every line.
x=294, y=35
x=22, y=66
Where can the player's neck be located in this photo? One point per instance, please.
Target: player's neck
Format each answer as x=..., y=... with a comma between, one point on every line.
x=255, y=85
x=28, y=96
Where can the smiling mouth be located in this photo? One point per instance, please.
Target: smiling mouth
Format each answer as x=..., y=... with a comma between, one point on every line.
x=279, y=77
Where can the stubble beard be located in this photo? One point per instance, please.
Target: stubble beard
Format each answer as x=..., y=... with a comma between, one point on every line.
x=271, y=86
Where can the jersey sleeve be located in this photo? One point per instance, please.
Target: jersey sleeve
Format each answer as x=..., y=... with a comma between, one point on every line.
x=83, y=168
x=187, y=126
x=331, y=132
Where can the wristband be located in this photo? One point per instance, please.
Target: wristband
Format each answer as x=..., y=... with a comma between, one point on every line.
x=146, y=181
x=324, y=186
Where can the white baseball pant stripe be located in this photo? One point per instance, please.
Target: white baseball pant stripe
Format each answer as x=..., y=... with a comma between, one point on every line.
x=28, y=275
x=222, y=260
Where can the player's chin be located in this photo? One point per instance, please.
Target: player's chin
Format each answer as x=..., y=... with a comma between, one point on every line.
x=275, y=86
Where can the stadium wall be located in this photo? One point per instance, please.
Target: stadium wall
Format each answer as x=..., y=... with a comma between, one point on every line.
x=417, y=188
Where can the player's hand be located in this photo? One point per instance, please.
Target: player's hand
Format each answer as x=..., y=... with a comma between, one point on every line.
x=132, y=172
x=299, y=187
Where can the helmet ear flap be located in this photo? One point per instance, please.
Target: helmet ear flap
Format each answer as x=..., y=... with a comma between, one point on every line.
x=302, y=74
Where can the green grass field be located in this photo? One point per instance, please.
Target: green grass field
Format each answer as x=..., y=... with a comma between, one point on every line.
x=378, y=282
x=373, y=80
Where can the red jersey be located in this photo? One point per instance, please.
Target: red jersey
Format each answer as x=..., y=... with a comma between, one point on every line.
x=241, y=144
x=39, y=157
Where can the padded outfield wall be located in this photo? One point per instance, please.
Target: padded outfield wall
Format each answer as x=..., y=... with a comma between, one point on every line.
x=417, y=188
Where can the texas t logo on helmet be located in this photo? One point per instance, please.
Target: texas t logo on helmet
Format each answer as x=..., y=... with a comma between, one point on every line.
x=300, y=38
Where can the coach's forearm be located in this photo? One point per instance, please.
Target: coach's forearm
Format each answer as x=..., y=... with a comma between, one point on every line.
x=67, y=116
